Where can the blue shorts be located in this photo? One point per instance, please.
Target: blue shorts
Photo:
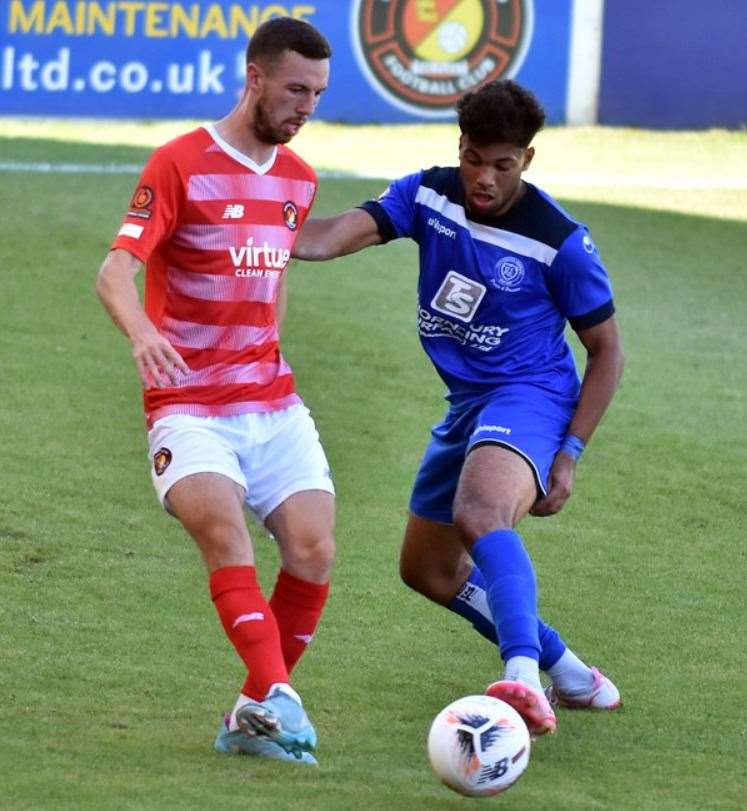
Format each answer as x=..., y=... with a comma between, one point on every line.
x=526, y=419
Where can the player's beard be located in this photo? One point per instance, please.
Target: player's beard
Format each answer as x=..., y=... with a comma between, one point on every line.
x=264, y=131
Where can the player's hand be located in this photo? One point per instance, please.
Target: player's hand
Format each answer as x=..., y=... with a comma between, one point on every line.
x=560, y=482
x=158, y=363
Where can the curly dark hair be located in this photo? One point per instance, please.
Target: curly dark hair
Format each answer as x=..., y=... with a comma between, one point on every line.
x=500, y=112
x=281, y=34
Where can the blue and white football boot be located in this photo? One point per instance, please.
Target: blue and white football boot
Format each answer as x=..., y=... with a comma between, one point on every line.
x=280, y=718
x=236, y=742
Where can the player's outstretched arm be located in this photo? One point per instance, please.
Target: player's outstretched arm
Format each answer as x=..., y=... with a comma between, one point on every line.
x=328, y=237
x=604, y=365
x=157, y=361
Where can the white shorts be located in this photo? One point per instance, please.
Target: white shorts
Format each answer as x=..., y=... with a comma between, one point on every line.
x=272, y=455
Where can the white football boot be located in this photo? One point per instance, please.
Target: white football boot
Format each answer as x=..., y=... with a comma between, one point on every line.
x=602, y=695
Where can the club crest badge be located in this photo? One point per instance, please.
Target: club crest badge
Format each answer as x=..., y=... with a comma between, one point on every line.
x=509, y=274
x=161, y=460
x=141, y=205
x=290, y=215
x=423, y=55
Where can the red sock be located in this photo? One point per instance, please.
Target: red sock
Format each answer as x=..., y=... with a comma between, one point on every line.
x=297, y=605
x=250, y=625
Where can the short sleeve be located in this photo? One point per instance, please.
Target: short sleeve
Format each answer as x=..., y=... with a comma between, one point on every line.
x=394, y=209
x=153, y=211
x=579, y=282
x=310, y=185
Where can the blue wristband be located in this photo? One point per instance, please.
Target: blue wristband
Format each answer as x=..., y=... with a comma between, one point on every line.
x=573, y=446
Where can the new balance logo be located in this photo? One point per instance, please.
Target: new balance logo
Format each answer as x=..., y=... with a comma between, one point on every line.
x=467, y=593
x=234, y=211
x=305, y=638
x=255, y=616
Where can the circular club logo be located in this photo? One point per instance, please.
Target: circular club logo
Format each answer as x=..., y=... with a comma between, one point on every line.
x=290, y=215
x=423, y=55
x=509, y=274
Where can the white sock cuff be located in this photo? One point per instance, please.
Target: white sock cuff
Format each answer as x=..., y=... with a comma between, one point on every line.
x=523, y=669
x=284, y=687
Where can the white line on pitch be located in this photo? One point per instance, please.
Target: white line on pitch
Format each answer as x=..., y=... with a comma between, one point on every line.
x=602, y=181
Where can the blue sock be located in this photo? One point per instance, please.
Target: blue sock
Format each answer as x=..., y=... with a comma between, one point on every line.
x=552, y=645
x=511, y=590
x=471, y=602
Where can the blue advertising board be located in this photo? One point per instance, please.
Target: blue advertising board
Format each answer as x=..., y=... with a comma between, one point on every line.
x=393, y=60
x=674, y=64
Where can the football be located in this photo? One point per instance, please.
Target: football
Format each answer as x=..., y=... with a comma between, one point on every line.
x=478, y=746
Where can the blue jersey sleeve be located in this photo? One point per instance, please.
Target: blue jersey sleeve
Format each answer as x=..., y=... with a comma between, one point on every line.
x=579, y=283
x=394, y=210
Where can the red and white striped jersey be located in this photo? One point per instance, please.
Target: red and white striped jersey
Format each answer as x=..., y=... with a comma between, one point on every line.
x=215, y=231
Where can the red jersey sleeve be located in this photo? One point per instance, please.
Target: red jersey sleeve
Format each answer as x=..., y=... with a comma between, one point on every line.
x=307, y=209
x=154, y=208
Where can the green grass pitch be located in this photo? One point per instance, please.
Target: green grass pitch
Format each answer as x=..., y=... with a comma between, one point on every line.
x=114, y=671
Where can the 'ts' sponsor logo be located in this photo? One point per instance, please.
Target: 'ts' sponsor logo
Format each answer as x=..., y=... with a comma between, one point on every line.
x=423, y=55
x=458, y=296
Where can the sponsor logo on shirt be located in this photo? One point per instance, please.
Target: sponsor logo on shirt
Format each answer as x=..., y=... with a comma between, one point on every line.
x=440, y=228
x=258, y=260
x=589, y=246
x=458, y=296
x=483, y=337
x=234, y=211
x=290, y=215
x=508, y=274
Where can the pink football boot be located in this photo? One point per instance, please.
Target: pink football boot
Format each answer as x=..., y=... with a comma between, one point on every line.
x=531, y=704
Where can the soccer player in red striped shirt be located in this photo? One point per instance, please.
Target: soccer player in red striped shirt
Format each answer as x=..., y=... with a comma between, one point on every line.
x=214, y=219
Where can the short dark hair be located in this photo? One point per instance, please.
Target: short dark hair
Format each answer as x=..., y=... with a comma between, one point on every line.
x=500, y=112
x=281, y=34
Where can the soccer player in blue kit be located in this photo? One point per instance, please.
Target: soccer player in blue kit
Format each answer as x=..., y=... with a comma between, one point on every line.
x=502, y=269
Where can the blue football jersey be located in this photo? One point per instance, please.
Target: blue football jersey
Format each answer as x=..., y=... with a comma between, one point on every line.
x=494, y=294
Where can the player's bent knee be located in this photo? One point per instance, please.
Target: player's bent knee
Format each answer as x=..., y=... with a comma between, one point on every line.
x=439, y=583
x=473, y=523
x=310, y=557
x=215, y=532
x=410, y=576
